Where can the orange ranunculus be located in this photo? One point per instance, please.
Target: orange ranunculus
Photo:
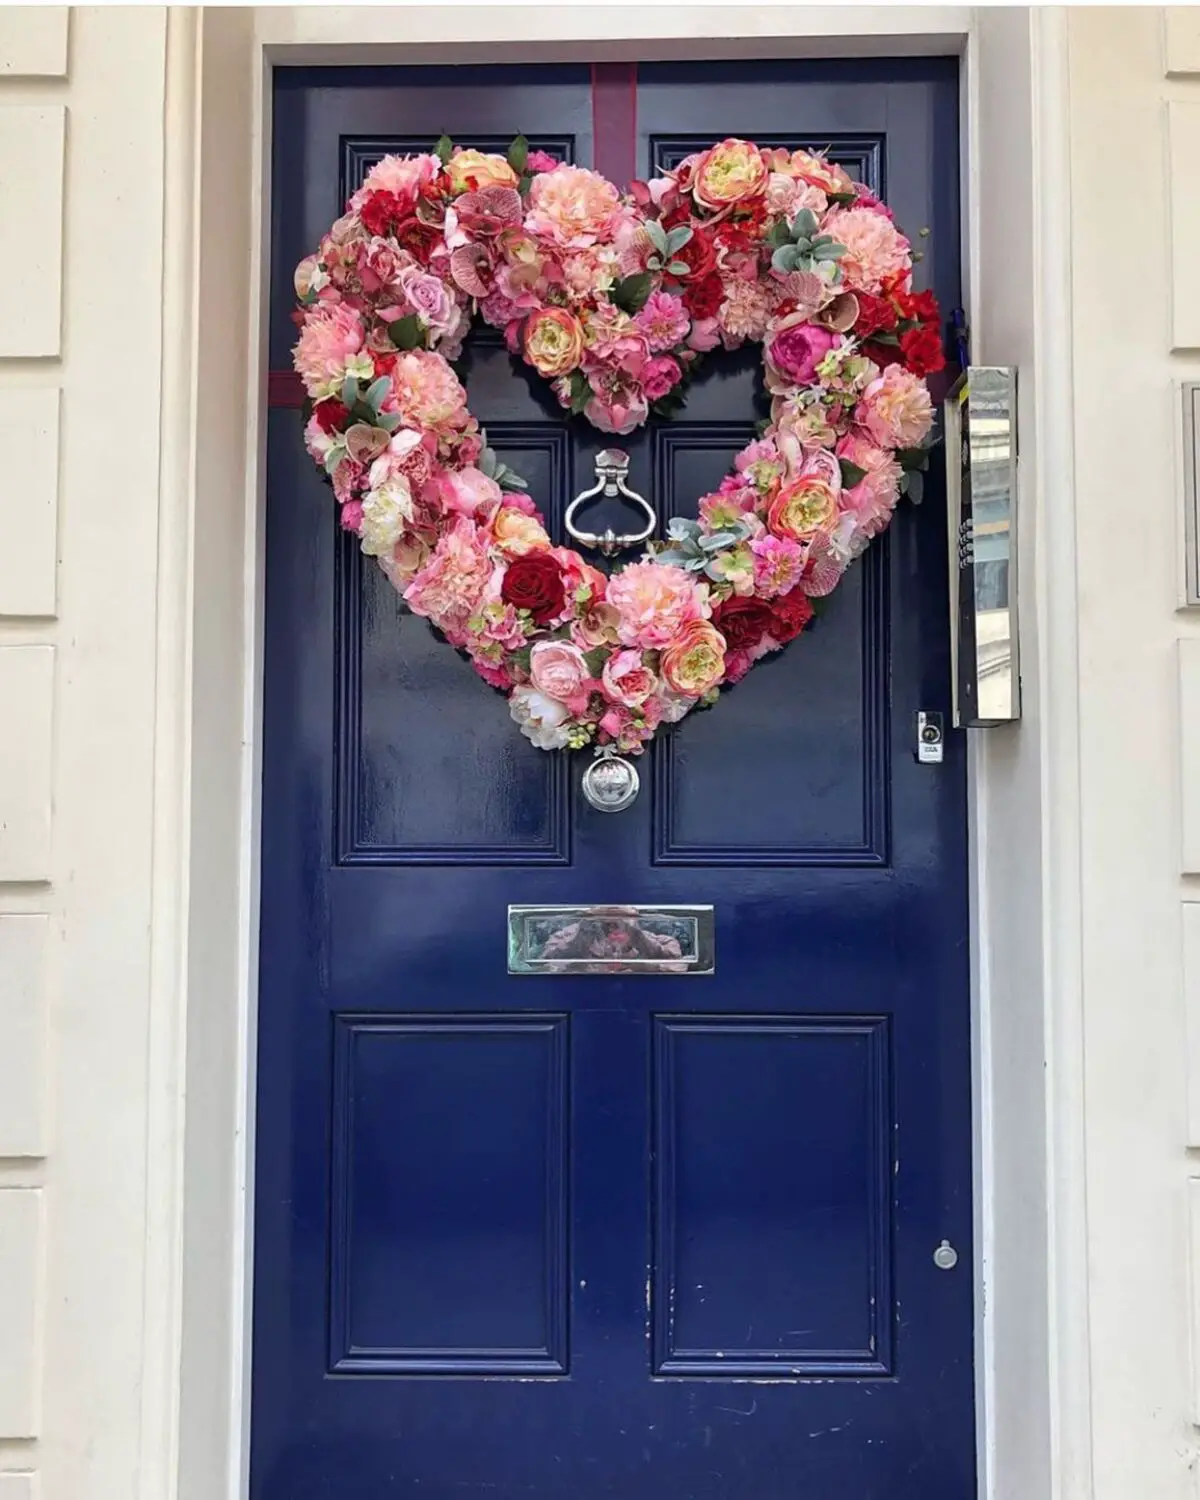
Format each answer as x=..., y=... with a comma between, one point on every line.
x=553, y=341
x=729, y=172
x=695, y=660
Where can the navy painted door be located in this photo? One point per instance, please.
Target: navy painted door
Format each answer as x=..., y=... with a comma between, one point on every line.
x=589, y=1236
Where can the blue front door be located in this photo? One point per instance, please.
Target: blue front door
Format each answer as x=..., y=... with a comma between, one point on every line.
x=651, y=1238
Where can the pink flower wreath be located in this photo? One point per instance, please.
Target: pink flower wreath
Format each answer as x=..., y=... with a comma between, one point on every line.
x=614, y=297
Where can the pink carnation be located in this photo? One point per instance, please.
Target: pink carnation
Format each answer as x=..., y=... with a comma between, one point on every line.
x=449, y=588
x=663, y=321
x=660, y=375
x=875, y=248
x=873, y=499
x=332, y=334
x=654, y=601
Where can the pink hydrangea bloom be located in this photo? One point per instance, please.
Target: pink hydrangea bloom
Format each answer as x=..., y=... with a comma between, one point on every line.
x=654, y=602
x=871, y=501
x=895, y=410
x=449, y=588
x=427, y=393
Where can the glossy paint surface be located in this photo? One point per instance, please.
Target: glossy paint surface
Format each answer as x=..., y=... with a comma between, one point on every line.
x=585, y=1235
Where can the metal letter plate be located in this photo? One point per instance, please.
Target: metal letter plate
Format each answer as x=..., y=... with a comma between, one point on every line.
x=610, y=940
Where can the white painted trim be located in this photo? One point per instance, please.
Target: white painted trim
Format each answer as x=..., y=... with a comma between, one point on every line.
x=1062, y=809
x=213, y=1450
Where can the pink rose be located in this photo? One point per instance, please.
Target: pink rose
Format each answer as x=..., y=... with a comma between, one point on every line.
x=793, y=352
x=705, y=335
x=464, y=491
x=626, y=679
x=429, y=298
x=558, y=670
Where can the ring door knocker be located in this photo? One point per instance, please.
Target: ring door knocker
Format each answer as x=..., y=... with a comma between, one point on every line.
x=611, y=782
x=611, y=468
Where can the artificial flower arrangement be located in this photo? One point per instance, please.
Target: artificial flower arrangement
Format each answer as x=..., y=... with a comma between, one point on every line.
x=615, y=298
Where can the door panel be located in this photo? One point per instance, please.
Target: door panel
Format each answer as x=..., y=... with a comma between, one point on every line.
x=579, y=1235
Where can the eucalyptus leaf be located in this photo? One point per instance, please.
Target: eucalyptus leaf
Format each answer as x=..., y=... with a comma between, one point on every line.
x=680, y=527
x=376, y=391
x=389, y=420
x=487, y=463
x=678, y=268
x=507, y=480
x=658, y=236
x=785, y=259
x=805, y=223
x=681, y=559
x=718, y=539
x=334, y=457
x=678, y=237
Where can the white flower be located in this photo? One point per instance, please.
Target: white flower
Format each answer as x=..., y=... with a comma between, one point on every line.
x=674, y=706
x=385, y=513
x=540, y=718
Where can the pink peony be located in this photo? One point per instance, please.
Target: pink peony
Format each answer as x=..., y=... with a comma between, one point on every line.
x=626, y=679
x=660, y=375
x=449, y=588
x=540, y=161
x=792, y=353
x=330, y=337
x=875, y=248
x=778, y=564
x=895, y=410
x=663, y=321
x=618, y=403
x=557, y=668
x=654, y=601
x=428, y=394
x=572, y=206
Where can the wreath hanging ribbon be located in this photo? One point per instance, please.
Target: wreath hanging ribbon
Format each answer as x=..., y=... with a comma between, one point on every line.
x=615, y=298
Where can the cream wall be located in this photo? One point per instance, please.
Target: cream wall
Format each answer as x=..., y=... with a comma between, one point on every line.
x=116, y=130
x=1135, y=169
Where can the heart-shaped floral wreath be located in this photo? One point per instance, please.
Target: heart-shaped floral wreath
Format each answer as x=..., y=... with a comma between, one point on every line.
x=615, y=298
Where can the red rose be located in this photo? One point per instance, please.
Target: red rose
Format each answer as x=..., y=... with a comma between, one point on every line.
x=875, y=315
x=534, y=582
x=743, y=621
x=703, y=298
x=922, y=350
x=884, y=354
x=792, y=612
x=331, y=416
x=698, y=255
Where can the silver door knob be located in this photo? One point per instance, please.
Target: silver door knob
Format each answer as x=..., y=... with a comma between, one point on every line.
x=611, y=468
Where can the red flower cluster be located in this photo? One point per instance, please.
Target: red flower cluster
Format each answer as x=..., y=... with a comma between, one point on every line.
x=901, y=327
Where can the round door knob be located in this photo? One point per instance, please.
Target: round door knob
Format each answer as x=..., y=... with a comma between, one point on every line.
x=945, y=1257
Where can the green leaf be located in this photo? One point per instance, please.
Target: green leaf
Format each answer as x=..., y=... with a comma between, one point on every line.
x=581, y=392
x=841, y=199
x=679, y=268
x=631, y=292
x=778, y=234
x=827, y=249
x=518, y=154
x=389, y=420
x=376, y=391
x=786, y=258
x=487, y=462
x=521, y=657
x=718, y=539
x=911, y=459
x=349, y=391
x=443, y=149
x=805, y=223
x=407, y=333
x=595, y=659
x=678, y=238
x=507, y=480
x=852, y=474
x=914, y=486
x=524, y=184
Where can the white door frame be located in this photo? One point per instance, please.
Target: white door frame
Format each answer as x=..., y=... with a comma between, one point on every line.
x=1034, y=1401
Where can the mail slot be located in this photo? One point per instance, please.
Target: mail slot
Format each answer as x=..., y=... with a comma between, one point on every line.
x=610, y=940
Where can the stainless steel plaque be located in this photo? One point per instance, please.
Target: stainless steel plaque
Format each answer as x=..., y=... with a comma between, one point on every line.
x=981, y=473
x=610, y=940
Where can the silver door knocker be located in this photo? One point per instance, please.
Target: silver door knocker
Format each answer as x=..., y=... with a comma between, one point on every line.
x=612, y=466
x=611, y=782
